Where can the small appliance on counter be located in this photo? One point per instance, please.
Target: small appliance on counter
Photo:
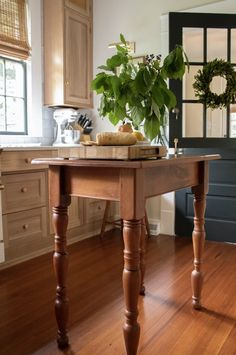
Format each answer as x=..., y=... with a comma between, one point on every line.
x=72, y=126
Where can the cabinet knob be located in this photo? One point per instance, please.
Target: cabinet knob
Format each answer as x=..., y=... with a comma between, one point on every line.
x=28, y=160
x=2, y=187
x=25, y=226
x=24, y=189
x=67, y=82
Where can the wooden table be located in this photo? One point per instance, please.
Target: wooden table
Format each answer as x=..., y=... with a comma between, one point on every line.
x=131, y=183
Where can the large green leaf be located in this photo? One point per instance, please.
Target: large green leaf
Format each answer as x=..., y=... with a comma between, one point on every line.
x=99, y=81
x=104, y=67
x=137, y=115
x=173, y=65
x=155, y=109
x=139, y=82
x=157, y=94
x=119, y=111
x=151, y=127
x=169, y=98
x=106, y=106
x=116, y=60
x=122, y=38
x=113, y=118
x=148, y=78
x=121, y=49
x=116, y=84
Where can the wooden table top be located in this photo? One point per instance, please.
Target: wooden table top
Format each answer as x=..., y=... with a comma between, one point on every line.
x=134, y=164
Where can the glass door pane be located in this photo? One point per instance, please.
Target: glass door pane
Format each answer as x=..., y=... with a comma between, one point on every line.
x=233, y=45
x=193, y=43
x=188, y=80
x=192, y=120
x=216, y=43
x=233, y=121
x=216, y=123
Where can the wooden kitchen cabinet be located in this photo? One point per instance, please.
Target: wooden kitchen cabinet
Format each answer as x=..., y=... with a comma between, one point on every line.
x=24, y=203
x=25, y=211
x=68, y=53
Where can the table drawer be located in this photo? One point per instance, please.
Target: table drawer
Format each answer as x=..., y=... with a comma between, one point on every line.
x=23, y=191
x=24, y=227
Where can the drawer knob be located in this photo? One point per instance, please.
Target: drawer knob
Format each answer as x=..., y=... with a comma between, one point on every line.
x=24, y=189
x=2, y=187
x=25, y=226
x=28, y=160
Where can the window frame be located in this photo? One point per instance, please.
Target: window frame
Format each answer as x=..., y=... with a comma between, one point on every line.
x=25, y=98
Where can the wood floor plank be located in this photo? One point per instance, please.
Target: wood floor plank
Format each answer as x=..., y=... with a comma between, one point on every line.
x=169, y=325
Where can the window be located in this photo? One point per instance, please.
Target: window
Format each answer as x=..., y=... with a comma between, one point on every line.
x=32, y=124
x=13, y=118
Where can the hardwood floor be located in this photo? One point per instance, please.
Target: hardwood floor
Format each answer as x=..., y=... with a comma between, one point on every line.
x=168, y=323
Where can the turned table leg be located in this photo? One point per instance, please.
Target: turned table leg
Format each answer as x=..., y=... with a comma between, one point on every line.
x=198, y=237
x=131, y=283
x=60, y=262
x=142, y=256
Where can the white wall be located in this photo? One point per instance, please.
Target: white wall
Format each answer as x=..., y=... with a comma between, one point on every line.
x=139, y=21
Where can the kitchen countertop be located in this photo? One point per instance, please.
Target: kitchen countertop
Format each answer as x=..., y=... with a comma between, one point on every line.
x=24, y=147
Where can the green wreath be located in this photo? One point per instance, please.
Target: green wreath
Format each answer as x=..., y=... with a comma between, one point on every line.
x=203, y=78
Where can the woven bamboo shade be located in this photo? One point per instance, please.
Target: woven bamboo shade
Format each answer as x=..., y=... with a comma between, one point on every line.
x=13, y=29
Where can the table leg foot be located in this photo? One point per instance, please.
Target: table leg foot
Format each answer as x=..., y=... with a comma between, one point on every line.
x=62, y=341
x=197, y=281
x=142, y=291
x=131, y=337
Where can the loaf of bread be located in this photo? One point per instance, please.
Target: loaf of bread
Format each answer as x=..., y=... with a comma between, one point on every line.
x=115, y=138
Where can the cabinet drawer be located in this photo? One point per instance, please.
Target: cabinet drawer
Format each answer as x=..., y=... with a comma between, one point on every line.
x=23, y=191
x=24, y=227
x=94, y=209
x=21, y=160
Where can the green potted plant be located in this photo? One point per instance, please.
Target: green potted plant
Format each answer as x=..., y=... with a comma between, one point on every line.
x=139, y=93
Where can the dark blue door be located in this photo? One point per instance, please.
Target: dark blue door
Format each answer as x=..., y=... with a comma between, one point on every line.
x=204, y=131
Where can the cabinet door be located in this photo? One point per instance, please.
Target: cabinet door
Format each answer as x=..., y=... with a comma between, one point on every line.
x=82, y=6
x=94, y=210
x=75, y=212
x=78, y=59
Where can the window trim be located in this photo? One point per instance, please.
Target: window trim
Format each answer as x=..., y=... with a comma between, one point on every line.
x=24, y=65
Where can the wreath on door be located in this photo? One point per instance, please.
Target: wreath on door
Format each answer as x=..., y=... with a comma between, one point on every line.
x=203, y=79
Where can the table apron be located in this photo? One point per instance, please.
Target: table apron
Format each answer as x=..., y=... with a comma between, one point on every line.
x=170, y=178
x=92, y=182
